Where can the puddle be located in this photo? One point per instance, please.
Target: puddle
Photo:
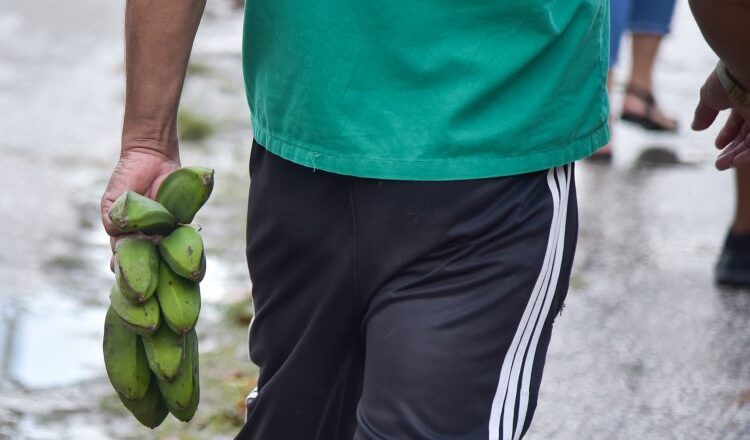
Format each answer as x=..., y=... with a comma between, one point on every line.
x=49, y=342
x=658, y=156
x=54, y=339
x=32, y=430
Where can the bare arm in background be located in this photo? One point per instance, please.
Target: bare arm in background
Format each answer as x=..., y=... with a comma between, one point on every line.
x=159, y=36
x=726, y=26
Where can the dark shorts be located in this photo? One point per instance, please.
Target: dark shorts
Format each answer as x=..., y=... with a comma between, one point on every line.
x=402, y=310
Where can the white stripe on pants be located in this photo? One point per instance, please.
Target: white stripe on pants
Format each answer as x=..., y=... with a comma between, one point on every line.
x=535, y=315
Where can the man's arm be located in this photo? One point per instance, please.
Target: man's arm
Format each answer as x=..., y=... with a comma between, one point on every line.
x=158, y=39
x=724, y=24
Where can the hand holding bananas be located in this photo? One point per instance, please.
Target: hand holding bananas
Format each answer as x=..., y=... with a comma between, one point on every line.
x=150, y=343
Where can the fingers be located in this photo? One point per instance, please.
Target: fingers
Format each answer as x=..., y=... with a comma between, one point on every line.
x=704, y=116
x=113, y=245
x=109, y=227
x=731, y=129
x=743, y=159
x=727, y=157
x=741, y=152
x=713, y=99
x=734, y=137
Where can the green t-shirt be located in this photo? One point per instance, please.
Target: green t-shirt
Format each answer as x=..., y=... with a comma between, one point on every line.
x=428, y=89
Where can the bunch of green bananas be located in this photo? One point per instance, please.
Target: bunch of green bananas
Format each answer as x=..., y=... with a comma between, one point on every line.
x=153, y=366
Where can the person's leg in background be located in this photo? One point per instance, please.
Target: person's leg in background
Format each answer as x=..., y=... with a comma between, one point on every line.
x=649, y=21
x=619, y=11
x=733, y=267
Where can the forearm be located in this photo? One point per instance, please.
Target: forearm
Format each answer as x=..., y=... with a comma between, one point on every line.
x=159, y=35
x=724, y=24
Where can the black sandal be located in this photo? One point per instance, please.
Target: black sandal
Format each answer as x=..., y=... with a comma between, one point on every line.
x=646, y=121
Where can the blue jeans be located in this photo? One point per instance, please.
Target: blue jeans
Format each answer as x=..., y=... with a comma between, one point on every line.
x=638, y=16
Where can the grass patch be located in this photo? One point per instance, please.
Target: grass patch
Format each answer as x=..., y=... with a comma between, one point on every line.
x=111, y=404
x=198, y=69
x=66, y=262
x=193, y=127
x=239, y=313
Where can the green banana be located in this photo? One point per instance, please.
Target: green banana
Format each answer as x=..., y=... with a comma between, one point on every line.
x=136, y=268
x=185, y=190
x=182, y=394
x=165, y=351
x=150, y=410
x=183, y=251
x=186, y=414
x=124, y=358
x=179, y=299
x=140, y=318
x=133, y=212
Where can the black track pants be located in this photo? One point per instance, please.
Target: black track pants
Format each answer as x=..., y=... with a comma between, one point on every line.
x=400, y=310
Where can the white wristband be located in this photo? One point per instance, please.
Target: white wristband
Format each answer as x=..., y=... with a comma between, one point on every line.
x=734, y=89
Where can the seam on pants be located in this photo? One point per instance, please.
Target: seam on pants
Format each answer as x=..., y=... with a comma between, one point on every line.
x=355, y=263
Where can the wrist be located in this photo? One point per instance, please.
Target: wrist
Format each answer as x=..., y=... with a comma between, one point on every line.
x=165, y=149
x=155, y=125
x=737, y=92
x=155, y=135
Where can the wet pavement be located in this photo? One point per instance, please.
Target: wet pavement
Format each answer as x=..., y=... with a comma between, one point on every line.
x=646, y=348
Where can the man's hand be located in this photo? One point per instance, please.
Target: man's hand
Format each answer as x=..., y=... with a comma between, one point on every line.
x=138, y=170
x=734, y=137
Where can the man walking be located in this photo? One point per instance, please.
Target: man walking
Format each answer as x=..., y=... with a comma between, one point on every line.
x=412, y=217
